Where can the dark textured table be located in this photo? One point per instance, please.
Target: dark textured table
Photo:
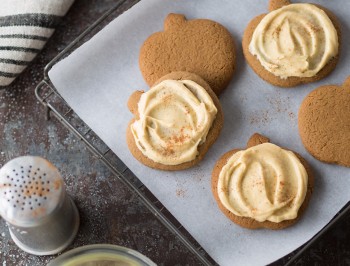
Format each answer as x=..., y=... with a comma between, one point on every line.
x=109, y=212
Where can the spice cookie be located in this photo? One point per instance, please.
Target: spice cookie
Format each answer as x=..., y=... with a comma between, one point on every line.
x=175, y=122
x=324, y=123
x=293, y=44
x=199, y=46
x=263, y=186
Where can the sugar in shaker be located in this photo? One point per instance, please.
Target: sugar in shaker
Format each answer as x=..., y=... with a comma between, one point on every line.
x=41, y=217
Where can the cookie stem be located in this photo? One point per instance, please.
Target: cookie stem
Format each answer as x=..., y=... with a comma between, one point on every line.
x=276, y=4
x=347, y=82
x=257, y=139
x=174, y=21
x=133, y=102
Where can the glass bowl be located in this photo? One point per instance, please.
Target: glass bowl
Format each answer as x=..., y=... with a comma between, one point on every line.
x=102, y=255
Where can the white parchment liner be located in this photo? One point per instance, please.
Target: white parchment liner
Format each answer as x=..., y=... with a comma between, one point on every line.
x=98, y=78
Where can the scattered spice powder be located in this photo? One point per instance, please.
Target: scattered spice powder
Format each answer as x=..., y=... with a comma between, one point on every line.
x=180, y=193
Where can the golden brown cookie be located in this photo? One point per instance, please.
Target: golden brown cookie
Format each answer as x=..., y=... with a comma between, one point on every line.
x=290, y=81
x=199, y=46
x=324, y=123
x=212, y=135
x=251, y=223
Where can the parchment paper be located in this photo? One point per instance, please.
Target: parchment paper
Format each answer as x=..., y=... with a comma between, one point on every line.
x=97, y=79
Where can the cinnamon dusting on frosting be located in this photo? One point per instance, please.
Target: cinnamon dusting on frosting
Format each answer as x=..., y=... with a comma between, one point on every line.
x=174, y=119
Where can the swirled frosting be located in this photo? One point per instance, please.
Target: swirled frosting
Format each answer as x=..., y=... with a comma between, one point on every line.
x=174, y=119
x=296, y=40
x=264, y=182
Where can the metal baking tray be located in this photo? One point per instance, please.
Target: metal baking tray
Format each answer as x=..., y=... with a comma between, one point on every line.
x=55, y=106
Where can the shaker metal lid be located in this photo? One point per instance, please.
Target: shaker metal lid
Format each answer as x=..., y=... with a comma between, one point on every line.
x=31, y=188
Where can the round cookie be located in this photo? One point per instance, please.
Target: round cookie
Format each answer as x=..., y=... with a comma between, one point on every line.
x=199, y=46
x=251, y=223
x=213, y=133
x=324, y=123
x=290, y=81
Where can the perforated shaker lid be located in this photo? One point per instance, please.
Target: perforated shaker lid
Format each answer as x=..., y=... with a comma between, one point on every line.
x=31, y=188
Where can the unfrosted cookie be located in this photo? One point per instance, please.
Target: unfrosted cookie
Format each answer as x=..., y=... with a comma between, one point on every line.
x=199, y=46
x=324, y=123
x=293, y=44
x=263, y=186
x=175, y=122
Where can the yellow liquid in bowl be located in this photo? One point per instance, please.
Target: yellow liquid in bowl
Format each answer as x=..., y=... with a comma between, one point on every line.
x=101, y=259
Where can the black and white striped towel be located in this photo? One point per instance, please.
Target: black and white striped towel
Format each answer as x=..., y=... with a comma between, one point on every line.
x=25, y=26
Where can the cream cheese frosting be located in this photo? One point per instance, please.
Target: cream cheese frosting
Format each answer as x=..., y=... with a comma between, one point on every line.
x=174, y=119
x=264, y=182
x=297, y=40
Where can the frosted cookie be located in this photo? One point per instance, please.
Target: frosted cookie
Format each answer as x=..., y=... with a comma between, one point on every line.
x=324, y=123
x=175, y=122
x=263, y=186
x=199, y=46
x=293, y=44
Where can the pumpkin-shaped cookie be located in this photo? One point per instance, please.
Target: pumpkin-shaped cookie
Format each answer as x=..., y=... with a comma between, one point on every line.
x=293, y=44
x=200, y=46
x=262, y=186
x=324, y=123
x=175, y=122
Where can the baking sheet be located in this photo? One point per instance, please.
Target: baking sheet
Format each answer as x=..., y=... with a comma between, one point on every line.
x=97, y=79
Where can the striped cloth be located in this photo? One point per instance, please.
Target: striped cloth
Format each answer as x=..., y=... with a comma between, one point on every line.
x=25, y=26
